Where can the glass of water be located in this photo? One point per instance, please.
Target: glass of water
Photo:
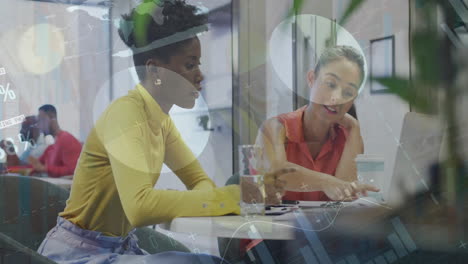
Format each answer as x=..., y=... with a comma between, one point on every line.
x=252, y=188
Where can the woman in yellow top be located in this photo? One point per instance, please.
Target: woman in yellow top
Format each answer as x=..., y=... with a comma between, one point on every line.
x=112, y=191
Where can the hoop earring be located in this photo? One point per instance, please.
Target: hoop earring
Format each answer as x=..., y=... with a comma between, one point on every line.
x=158, y=82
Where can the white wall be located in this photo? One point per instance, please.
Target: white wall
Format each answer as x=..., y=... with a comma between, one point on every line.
x=278, y=89
x=279, y=63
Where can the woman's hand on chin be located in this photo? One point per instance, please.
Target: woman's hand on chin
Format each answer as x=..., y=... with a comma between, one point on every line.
x=348, y=121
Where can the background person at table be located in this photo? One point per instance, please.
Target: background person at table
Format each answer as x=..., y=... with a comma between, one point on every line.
x=113, y=189
x=30, y=135
x=60, y=158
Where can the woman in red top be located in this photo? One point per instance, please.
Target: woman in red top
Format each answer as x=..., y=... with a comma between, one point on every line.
x=320, y=139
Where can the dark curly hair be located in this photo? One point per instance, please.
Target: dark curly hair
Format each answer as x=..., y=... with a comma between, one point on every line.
x=155, y=20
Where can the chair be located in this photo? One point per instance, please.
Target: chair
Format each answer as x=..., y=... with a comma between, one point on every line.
x=29, y=208
x=229, y=248
x=13, y=252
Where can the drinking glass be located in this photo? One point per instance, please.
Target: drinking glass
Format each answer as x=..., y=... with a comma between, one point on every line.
x=252, y=187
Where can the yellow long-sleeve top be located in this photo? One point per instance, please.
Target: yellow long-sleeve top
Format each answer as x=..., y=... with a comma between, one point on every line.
x=113, y=187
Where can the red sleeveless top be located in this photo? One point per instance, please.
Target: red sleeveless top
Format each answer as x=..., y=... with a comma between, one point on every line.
x=297, y=152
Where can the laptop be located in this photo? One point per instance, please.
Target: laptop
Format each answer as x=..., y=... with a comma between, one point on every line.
x=420, y=145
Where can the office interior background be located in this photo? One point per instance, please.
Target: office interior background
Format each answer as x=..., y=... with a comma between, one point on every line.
x=68, y=53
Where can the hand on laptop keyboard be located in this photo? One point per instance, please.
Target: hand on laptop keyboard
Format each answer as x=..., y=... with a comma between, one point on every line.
x=337, y=189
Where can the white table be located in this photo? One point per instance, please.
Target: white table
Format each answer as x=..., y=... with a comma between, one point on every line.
x=261, y=227
x=265, y=227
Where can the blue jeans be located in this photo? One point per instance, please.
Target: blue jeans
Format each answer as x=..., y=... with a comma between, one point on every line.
x=66, y=243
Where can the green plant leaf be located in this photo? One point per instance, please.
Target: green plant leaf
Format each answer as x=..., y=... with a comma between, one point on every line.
x=425, y=49
x=297, y=5
x=403, y=89
x=142, y=18
x=352, y=7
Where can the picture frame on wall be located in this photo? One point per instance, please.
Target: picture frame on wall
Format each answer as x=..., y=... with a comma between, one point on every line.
x=382, y=62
